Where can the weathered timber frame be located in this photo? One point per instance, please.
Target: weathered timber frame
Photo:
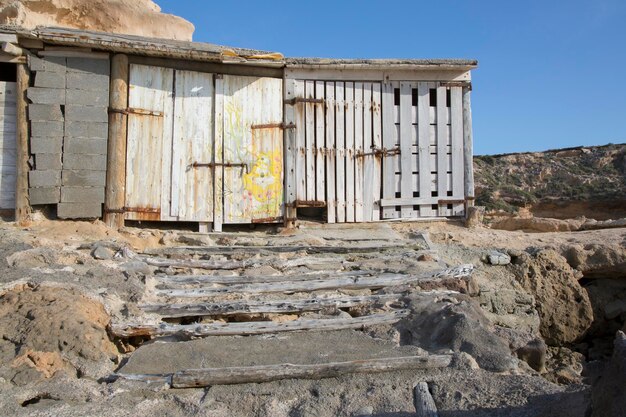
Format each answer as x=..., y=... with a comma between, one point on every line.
x=325, y=103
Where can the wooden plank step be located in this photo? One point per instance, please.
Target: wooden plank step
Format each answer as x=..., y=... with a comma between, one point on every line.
x=351, y=283
x=247, y=279
x=235, y=264
x=230, y=308
x=194, y=378
x=227, y=250
x=126, y=330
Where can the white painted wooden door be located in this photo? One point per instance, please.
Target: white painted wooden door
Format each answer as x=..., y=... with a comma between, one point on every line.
x=8, y=148
x=251, y=148
x=170, y=145
x=192, y=147
x=150, y=102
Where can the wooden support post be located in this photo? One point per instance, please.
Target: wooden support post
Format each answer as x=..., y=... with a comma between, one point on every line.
x=116, y=161
x=423, y=401
x=290, y=150
x=22, y=204
x=468, y=151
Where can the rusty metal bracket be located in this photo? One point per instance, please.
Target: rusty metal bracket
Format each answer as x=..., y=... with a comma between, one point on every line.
x=274, y=126
x=141, y=112
x=268, y=220
x=140, y=210
x=296, y=100
x=108, y=210
x=379, y=152
x=304, y=203
x=220, y=164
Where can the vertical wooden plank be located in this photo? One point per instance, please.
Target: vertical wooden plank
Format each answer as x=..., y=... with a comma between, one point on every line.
x=218, y=155
x=359, y=158
x=236, y=149
x=468, y=151
x=267, y=176
x=150, y=88
x=377, y=143
x=166, y=151
x=406, y=151
x=311, y=121
x=192, y=187
x=423, y=123
x=116, y=149
x=389, y=169
x=330, y=150
x=294, y=148
x=368, y=174
x=340, y=154
x=350, y=154
x=457, y=149
x=320, y=144
x=22, y=204
x=442, y=148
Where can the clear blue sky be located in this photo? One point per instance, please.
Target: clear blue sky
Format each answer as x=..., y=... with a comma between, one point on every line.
x=551, y=73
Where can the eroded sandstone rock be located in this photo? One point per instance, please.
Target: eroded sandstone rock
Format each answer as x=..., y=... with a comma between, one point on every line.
x=132, y=17
x=563, y=305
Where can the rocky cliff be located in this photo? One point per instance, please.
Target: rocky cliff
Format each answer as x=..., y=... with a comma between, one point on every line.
x=132, y=17
x=589, y=181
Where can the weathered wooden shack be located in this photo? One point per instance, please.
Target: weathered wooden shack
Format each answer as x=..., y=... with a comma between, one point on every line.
x=130, y=128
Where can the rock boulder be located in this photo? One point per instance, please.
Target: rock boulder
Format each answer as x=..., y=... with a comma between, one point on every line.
x=131, y=17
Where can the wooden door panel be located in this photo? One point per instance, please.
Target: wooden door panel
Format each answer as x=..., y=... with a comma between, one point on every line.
x=192, y=186
x=252, y=149
x=149, y=123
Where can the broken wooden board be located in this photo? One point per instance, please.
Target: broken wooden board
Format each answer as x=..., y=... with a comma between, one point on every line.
x=253, y=250
x=194, y=378
x=247, y=279
x=347, y=283
x=128, y=330
x=230, y=308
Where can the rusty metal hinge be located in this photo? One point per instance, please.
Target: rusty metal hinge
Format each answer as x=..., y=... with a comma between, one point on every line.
x=304, y=203
x=274, y=126
x=110, y=210
x=141, y=112
x=296, y=100
x=220, y=164
x=133, y=210
x=379, y=152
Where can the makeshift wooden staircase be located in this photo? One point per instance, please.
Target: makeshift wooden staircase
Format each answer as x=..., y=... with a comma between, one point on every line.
x=189, y=302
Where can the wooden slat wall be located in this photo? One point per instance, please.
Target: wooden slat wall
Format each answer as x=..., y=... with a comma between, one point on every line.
x=8, y=149
x=421, y=120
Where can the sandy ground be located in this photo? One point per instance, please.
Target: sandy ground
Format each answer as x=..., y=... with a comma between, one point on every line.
x=59, y=253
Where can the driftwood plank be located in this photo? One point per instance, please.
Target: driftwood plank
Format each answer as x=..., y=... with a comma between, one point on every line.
x=350, y=282
x=246, y=279
x=194, y=263
x=423, y=401
x=265, y=373
x=127, y=330
x=226, y=250
x=230, y=308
